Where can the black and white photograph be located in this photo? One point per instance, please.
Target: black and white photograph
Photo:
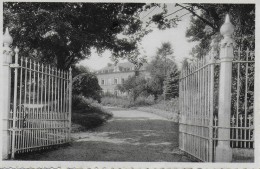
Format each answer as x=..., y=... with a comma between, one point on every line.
x=134, y=81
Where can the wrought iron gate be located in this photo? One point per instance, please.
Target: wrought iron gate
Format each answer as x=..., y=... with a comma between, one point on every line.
x=40, y=106
x=201, y=106
x=196, y=109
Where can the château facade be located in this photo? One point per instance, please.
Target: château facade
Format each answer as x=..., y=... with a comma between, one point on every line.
x=112, y=75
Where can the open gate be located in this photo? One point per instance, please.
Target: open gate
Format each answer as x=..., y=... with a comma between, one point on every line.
x=216, y=100
x=196, y=109
x=40, y=105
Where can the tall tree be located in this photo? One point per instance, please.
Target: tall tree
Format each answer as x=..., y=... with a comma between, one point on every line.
x=62, y=34
x=171, y=83
x=134, y=85
x=164, y=52
x=158, y=68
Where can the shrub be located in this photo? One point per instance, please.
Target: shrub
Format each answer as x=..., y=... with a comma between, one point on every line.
x=126, y=102
x=88, y=112
x=86, y=83
x=143, y=101
x=168, y=105
x=115, y=101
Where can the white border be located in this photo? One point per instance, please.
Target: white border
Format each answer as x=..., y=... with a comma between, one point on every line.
x=153, y=165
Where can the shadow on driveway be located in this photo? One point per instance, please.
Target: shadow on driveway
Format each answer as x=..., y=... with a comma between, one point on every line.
x=130, y=136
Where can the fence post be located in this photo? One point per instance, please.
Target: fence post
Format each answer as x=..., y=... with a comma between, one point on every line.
x=223, y=149
x=14, y=129
x=212, y=54
x=70, y=101
x=5, y=90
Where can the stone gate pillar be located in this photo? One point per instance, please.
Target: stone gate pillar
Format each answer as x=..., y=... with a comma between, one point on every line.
x=223, y=149
x=5, y=91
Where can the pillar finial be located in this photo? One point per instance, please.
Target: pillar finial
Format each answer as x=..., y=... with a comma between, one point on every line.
x=16, y=50
x=227, y=29
x=7, y=38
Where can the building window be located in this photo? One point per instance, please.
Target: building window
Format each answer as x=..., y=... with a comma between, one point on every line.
x=122, y=80
x=115, y=81
x=102, y=81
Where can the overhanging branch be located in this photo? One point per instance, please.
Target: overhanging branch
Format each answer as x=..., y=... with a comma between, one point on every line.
x=201, y=18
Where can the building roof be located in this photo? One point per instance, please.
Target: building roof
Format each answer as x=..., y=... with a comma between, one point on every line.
x=120, y=67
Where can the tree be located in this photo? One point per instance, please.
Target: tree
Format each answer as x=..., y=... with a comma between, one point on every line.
x=165, y=51
x=171, y=83
x=62, y=34
x=158, y=68
x=80, y=69
x=205, y=26
x=134, y=85
x=86, y=84
x=206, y=20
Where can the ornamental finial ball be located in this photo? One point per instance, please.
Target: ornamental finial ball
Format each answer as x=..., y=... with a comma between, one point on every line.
x=227, y=29
x=7, y=39
x=16, y=50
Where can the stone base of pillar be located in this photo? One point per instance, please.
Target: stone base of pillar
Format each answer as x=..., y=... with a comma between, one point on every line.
x=223, y=153
x=5, y=146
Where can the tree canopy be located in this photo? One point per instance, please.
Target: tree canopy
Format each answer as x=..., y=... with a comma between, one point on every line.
x=86, y=84
x=205, y=26
x=134, y=85
x=206, y=20
x=64, y=33
x=163, y=71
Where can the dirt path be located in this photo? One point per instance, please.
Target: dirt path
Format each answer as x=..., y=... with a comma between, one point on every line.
x=130, y=136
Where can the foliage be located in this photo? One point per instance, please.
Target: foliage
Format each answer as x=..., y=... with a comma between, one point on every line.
x=125, y=102
x=205, y=26
x=164, y=108
x=86, y=84
x=171, y=83
x=115, y=101
x=88, y=113
x=79, y=69
x=159, y=67
x=65, y=32
x=165, y=51
x=243, y=86
x=134, y=85
x=62, y=34
x=171, y=105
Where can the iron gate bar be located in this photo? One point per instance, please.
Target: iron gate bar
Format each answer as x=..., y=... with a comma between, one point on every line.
x=41, y=118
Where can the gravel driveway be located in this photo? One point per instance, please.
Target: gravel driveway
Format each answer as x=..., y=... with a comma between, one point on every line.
x=130, y=135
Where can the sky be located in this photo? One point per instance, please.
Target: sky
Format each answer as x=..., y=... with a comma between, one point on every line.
x=152, y=41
